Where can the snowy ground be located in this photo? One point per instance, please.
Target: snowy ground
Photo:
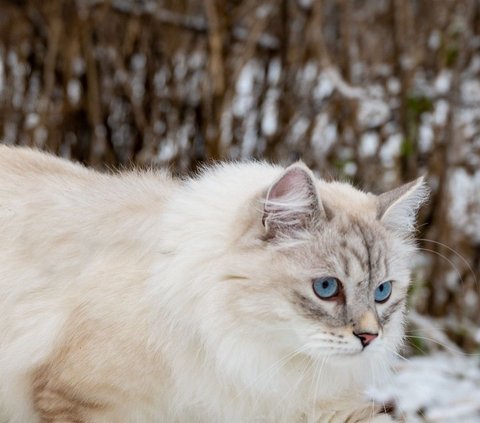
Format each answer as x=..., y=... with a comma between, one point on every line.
x=440, y=388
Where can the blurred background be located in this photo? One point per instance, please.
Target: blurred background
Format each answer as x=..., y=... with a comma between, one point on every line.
x=376, y=92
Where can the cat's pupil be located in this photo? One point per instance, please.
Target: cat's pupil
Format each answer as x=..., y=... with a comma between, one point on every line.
x=325, y=284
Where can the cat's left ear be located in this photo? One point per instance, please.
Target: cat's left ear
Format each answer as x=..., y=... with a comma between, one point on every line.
x=398, y=208
x=291, y=203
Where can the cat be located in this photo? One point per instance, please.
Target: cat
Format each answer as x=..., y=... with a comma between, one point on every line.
x=248, y=293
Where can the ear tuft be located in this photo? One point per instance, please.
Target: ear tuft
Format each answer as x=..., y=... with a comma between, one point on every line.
x=291, y=202
x=398, y=208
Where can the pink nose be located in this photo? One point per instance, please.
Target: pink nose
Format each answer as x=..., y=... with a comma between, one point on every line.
x=365, y=338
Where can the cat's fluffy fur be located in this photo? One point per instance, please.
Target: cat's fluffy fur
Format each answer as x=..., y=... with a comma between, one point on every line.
x=139, y=298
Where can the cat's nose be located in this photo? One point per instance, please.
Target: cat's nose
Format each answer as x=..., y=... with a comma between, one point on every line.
x=366, y=338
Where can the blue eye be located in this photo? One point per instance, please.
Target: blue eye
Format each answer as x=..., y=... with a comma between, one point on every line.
x=383, y=292
x=326, y=288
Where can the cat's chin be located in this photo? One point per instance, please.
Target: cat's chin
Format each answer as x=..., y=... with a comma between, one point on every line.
x=348, y=358
x=342, y=358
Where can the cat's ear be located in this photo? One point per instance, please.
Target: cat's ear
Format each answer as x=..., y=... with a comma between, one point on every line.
x=291, y=203
x=398, y=208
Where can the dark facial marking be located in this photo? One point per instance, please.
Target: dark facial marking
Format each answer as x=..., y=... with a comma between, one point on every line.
x=311, y=309
x=308, y=307
x=345, y=264
x=358, y=256
x=379, y=249
x=386, y=316
x=382, y=253
x=386, y=266
x=363, y=235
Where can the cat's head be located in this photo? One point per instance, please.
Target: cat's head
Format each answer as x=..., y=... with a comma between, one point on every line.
x=323, y=268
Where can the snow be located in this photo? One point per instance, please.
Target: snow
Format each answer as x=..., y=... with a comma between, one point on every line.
x=368, y=144
x=350, y=169
x=309, y=73
x=443, y=81
x=344, y=88
x=439, y=388
x=263, y=11
x=196, y=60
x=324, y=134
x=434, y=40
x=470, y=300
x=425, y=136
x=78, y=66
x=74, y=91
x=244, y=100
x=393, y=85
x=274, y=71
x=474, y=65
x=470, y=91
x=464, y=210
x=32, y=120
x=180, y=67
x=440, y=112
x=246, y=79
x=167, y=151
x=270, y=112
x=250, y=138
x=306, y=4
x=373, y=113
x=391, y=149
x=324, y=87
x=299, y=129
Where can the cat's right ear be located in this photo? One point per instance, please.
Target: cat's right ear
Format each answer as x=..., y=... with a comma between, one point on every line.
x=292, y=203
x=397, y=209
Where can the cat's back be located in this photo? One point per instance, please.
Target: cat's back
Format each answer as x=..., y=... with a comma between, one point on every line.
x=23, y=169
x=37, y=184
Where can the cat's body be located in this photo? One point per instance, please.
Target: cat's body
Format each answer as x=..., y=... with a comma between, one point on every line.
x=139, y=298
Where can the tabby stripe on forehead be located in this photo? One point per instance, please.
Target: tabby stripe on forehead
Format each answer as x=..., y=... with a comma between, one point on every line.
x=378, y=250
x=382, y=252
x=345, y=263
x=386, y=266
x=363, y=235
x=355, y=253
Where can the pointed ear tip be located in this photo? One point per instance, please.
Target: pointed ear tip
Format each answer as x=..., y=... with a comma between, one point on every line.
x=422, y=185
x=422, y=179
x=299, y=164
x=298, y=168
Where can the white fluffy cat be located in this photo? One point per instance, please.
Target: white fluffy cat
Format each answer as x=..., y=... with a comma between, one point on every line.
x=250, y=293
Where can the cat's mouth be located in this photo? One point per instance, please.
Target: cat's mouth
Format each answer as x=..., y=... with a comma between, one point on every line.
x=325, y=348
x=318, y=352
